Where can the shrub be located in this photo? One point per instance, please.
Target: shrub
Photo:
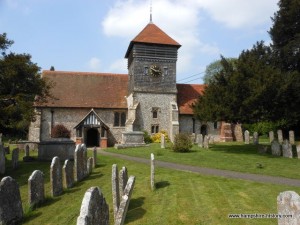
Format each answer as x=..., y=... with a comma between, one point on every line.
x=60, y=131
x=147, y=137
x=182, y=143
x=156, y=138
x=263, y=127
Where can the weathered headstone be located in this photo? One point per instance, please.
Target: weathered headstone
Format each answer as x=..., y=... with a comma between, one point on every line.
x=121, y=215
x=123, y=178
x=11, y=212
x=95, y=157
x=56, y=177
x=26, y=150
x=162, y=141
x=68, y=174
x=275, y=148
x=115, y=189
x=255, y=138
x=36, y=189
x=94, y=209
x=206, y=142
x=280, y=136
x=200, y=140
x=298, y=151
x=85, y=158
x=271, y=136
x=15, y=158
x=152, y=175
x=292, y=137
x=288, y=206
x=287, y=149
x=79, y=163
x=90, y=163
x=2, y=160
x=247, y=137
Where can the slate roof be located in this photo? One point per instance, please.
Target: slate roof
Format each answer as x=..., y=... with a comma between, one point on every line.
x=87, y=90
x=152, y=34
x=188, y=94
x=105, y=90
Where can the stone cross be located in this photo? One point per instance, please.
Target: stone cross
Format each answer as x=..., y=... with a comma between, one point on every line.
x=79, y=163
x=11, y=211
x=287, y=149
x=298, y=151
x=56, y=177
x=275, y=148
x=271, y=136
x=15, y=158
x=247, y=137
x=115, y=189
x=288, y=203
x=94, y=209
x=255, y=138
x=162, y=141
x=152, y=174
x=90, y=163
x=206, y=142
x=121, y=214
x=26, y=150
x=200, y=140
x=280, y=136
x=95, y=157
x=2, y=160
x=123, y=178
x=68, y=174
x=292, y=137
x=36, y=189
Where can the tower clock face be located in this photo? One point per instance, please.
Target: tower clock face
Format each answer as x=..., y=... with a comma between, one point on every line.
x=155, y=71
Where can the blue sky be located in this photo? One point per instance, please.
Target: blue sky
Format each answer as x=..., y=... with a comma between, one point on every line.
x=93, y=35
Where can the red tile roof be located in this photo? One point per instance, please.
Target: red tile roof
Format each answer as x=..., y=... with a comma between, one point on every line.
x=152, y=34
x=87, y=90
x=188, y=94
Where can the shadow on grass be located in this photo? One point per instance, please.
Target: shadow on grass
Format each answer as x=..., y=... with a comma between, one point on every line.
x=135, y=210
x=162, y=184
x=236, y=149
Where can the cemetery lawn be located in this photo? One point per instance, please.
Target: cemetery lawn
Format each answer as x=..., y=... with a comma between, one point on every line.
x=180, y=197
x=227, y=156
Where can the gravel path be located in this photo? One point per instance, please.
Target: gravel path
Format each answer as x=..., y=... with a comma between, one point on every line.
x=210, y=171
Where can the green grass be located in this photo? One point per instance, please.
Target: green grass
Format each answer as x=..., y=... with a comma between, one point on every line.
x=228, y=156
x=180, y=197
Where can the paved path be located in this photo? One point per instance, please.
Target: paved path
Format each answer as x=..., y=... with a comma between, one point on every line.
x=210, y=171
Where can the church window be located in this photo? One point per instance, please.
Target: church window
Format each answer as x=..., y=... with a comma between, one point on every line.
x=155, y=112
x=146, y=70
x=165, y=71
x=154, y=129
x=194, y=125
x=79, y=132
x=215, y=125
x=119, y=119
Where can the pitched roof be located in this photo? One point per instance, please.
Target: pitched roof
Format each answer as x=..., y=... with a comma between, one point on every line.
x=188, y=94
x=152, y=34
x=87, y=90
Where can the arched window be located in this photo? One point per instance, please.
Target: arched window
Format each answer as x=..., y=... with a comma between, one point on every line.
x=119, y=119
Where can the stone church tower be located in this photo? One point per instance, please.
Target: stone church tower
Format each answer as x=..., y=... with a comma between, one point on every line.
x=152, y=92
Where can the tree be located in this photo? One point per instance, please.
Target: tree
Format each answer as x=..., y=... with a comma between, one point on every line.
x=20, y=83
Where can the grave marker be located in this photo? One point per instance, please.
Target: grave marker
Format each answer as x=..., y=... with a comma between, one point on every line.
x=56, y=177
x=36, y=189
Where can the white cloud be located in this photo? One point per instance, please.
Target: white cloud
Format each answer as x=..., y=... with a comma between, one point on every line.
x=94, y=64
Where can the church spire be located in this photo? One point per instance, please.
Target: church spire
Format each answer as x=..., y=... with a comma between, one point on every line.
x=150, y=11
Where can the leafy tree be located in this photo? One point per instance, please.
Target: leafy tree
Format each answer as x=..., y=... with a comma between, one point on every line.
x=20, y=83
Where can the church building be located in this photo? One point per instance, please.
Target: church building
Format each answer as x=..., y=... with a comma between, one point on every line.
x=100, y=108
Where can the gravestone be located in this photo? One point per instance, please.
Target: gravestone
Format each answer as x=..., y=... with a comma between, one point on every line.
x=56, y=177
x=205, y=142
x=79, y=163
x=26, y=150
x=152, y=175
x=115, y=189
x=15, y=158
x=162, y=141
x=94, y=157
x=123, y=178
x=287, y=149
x=280, y=136
x=298, y=151
x=247, y=137
x=211, y=139
x=121, y=214
x=292, y=137
x=11, y=211
x=90, y=163
x=94, y=209
x=2, y=160
x=68, y=174
x=271, y=136
x=275, y=148
x=200, y=140
x=85, y=159
x=255, y=138
x=288, y=203
x=36, y=189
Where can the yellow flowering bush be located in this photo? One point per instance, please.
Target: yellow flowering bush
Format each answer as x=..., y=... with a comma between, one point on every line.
x=157, y=137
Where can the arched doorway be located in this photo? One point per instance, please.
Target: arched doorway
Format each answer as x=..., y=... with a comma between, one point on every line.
x=92, y=137
x=203, y=130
